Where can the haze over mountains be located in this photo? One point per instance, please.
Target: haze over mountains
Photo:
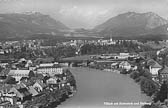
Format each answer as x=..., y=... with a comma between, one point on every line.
x=133, y=24
x=130, y=24
x=25, y=24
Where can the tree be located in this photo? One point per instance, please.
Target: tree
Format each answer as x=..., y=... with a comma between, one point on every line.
x=46, y=78
x=10, y=80
x=134, y=74
x=148, y=86
x=147, y=74
x=124, y=71
x=31, y=74
x=162, y=94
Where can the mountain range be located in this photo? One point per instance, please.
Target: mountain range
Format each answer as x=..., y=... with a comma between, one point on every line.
x=134, y=24
x=130, y=24
x=25, y=24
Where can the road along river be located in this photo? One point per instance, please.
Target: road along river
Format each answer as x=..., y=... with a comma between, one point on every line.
x=100, y=89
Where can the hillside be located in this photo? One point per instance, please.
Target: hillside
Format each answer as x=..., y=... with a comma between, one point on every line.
x=133, y=24
x=22, y=25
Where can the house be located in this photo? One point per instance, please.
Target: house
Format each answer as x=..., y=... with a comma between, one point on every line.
x=21, y=93
x=32, y=90
x=39, y=86
x=125, y=65
x=52, y=80
x=133, y=54
x=5, y=88
x=3, y=64
x=6, y=104
x=2, y=51
x=163, y=74
x=122, y=56
x=28, y=63
x=8, y=97
x=2, y=79
x=32, y=68
x=154, y=67
x=18, y=74
x=4, y=72
x=22, y=60
x=114, y=65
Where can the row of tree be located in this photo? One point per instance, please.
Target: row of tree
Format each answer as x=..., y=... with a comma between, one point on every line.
x=117, y=48
x=61, y=51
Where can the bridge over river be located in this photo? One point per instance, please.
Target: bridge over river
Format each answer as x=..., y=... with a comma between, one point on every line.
x=96, y=87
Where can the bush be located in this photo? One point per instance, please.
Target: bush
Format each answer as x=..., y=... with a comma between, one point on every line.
x=124, y=71
x=148, y=86
x=134, y=75
x=10, y=80
x=162, y=94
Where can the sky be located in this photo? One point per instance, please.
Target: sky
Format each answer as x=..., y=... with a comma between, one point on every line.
x=84, y=13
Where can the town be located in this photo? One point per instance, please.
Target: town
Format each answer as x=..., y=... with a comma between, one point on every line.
x=35, y=74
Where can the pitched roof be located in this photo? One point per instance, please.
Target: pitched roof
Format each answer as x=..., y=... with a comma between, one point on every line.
x=46, y=65
x=150, y=62
x=153, y=64
x=32, y=91
x=156, y=65
x=41, y=84
x=4, y=71
x=24, y=92
x=21, y=85
x=20, y=91
x=5, y=88
x=164, y=70
x=14, y=72
x=125, y=63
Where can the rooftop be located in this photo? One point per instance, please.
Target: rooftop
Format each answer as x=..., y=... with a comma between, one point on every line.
x=13, y=72
x=164, y=70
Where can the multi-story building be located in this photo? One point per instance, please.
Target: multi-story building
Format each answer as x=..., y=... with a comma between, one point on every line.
x=50, y=69
x=18, y=74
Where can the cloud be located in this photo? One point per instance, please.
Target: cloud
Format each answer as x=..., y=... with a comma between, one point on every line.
x=84, y=13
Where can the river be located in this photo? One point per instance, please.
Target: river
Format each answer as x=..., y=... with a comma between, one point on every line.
x=95, y=87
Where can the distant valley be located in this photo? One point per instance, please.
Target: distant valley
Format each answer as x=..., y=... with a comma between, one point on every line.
x=130, y=25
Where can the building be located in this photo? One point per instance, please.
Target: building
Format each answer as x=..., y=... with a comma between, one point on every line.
x=18, y=74
x=123, y=56
x=4, y=64
x=8, y=97
x=6, y=104
x=21, y=93
x=125, y=65
x=49, y=69
x=154, y=68
x=33, y=91
x=163, y=74
x=39, y=86
x=52, y=80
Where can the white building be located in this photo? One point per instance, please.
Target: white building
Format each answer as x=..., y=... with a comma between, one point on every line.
x=49, y=68
x=125, y=65
x=18, y=74
x=154, y=67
